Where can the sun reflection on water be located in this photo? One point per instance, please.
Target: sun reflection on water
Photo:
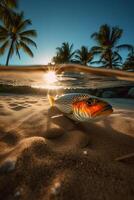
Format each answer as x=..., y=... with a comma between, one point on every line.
x=50, y=81
x=50, y=77
x=49, y=87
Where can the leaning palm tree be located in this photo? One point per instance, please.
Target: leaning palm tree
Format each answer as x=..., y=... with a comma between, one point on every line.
x=64, y=53
x=6, y=10
x=16, y=36
x=107, y=39
x=83, y=55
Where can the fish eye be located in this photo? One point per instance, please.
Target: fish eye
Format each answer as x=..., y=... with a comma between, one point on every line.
x=89, y=102
x=92, y=101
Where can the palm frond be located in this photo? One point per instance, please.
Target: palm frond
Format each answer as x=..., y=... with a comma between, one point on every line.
x=6, y=10
x=31, y=33
x=72, y=54
x=97, y=49
x=26, y=49
x=23, y=25
x=2, y=38
x=3, y=47
x=28, y=41
x=116, y=35
x=17, y=50
x=94, y=35
x=12, y=3
x=78, y=56
x=3, y=29
x=124, y=46
x=96, y=62
x=105, y=32
x=117, y=57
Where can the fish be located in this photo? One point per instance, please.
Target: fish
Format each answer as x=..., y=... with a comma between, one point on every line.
x=81, y=107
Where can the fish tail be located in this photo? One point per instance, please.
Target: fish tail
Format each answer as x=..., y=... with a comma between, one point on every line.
x=51, y=100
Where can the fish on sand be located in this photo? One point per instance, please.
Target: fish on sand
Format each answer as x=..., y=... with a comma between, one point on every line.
x=81, y=107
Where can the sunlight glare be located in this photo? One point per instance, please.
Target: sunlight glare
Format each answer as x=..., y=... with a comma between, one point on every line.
x=50, y=77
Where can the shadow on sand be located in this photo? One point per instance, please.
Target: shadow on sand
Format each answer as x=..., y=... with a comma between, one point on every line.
x=103, y=140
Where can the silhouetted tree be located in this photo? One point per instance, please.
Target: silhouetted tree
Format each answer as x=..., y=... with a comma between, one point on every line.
x=83, y=55
x=64, y=54
x=16, y=36
x=107, y=39
x=116, y=60
x=129, y=63
x=6, y=10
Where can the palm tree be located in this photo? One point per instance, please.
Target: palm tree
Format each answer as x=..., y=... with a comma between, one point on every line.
x=16, y=36
x=129, y=63
x=107, y=39
x=64, y=53
x=6, y=10
x=116, y=60
x=83, y=56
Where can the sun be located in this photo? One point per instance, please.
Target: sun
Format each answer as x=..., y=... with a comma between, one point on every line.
x=50, y=77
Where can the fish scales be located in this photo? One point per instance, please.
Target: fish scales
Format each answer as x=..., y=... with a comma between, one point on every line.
x=81, y=107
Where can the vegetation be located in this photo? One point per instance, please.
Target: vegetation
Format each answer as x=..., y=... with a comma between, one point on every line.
x=7, y=9
x=16, y=36
x=116, y=60
x=107, y=49
x=83, y=56
x=14, y=32
x=107, y=39
x=64, y=54
x=129, y=63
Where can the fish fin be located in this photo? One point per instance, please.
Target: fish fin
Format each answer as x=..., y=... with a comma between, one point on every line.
x=51, y=100
x=56, y=116
x=72, y=117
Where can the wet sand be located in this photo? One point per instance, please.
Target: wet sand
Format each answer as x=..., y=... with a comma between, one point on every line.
x=46, y=157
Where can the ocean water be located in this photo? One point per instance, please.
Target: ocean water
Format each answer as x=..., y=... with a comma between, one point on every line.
x=67, y=80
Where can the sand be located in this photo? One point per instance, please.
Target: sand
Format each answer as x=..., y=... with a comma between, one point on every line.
x=44, y=157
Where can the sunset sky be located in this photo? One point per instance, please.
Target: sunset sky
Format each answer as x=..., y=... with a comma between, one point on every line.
x=73, y=21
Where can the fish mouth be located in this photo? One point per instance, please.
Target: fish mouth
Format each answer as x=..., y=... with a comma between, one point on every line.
x=107, y=110
x=108, y=107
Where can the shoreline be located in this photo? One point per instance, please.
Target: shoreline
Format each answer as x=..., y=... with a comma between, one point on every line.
x=120, y=74
x=113, y=92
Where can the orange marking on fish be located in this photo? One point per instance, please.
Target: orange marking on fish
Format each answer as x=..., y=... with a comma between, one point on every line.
x=91, y=110
x=81, y=107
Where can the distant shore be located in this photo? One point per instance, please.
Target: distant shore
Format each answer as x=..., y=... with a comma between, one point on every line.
x=125, y=75
x=121, y=91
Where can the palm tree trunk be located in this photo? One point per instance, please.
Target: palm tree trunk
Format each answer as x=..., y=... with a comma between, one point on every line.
x=110, y=60
x=85, y=63
x=9, y=53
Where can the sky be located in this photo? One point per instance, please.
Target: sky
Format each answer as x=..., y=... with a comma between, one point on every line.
x=73, y=21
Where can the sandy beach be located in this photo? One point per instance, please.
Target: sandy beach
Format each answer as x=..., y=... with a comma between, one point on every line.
x=47, y=157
